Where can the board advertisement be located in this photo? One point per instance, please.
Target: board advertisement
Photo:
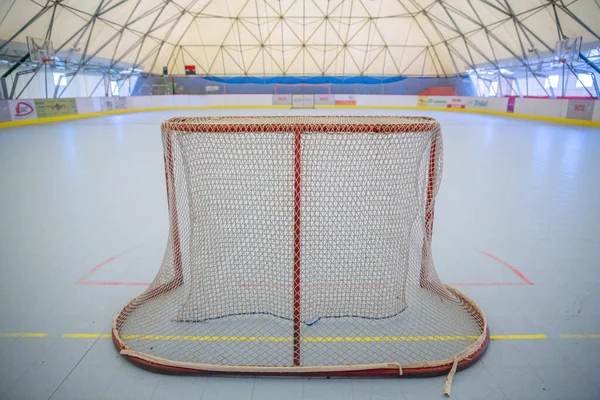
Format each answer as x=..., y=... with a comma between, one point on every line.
x=113, y=103
x=437, y=102
x=21, y=109
x=479, y=104
x=455, y=102
x=345, y=100
x=324, y=99
x=55, y=107
x=452, y=102
x=581, y=109
x=510, y=107
x=87, y=105
x=282, y=99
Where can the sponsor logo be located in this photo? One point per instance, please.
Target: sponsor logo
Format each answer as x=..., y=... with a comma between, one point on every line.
x=437, y=101
x=23, y=109
x=581, y=109
x=510, y=106
x=480, y=103
x=58, y=107
x=345, y=100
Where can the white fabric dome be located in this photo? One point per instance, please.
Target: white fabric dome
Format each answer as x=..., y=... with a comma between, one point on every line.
x=299, y=37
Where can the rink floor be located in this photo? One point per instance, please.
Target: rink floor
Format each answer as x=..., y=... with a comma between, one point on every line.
x=83, y=228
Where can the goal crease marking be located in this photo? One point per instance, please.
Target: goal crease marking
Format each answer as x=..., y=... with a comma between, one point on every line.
x=84, y=281
x=488, y=284
x=96, y=268
x=513, y=269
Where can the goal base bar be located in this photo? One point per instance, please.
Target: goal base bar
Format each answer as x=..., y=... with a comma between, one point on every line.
x=391, y=371
x=430, y=369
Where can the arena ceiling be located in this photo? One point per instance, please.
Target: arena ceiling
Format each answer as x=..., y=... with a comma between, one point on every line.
x=299, y=37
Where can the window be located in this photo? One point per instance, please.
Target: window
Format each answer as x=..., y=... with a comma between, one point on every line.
x=551, y=81
x=585, y=79
x=114, y=88
x=57, y=76
x=494, y=89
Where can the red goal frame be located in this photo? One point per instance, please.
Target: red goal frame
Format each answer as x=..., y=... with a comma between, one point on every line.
x=187, y=125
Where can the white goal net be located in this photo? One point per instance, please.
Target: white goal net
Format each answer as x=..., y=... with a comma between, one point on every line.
x=301, y=245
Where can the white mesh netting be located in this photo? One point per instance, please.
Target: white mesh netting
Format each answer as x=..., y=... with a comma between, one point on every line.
x=301, y=244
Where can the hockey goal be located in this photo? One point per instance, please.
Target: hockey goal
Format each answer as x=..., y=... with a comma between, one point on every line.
x=303, y=101
x=301, y=246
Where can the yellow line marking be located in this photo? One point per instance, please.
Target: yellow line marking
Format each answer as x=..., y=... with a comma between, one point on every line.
x=87, y=335
x=210, y=338
x=518, y=337
x=387, y=338
x=333, y=339
x=26, y=335
x=581, y=336
x=147, y=109
x=306, y=339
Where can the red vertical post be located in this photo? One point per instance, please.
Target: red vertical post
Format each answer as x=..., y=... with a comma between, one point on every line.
x=297, y=171
x=431, y=178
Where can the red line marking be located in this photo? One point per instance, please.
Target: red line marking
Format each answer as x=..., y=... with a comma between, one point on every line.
x=96, y=268
x=83, y=280
x=525, y=281
x=488, y=284
x=374, y=285
x=513, y=269
x=114, y=283
x=309, y=285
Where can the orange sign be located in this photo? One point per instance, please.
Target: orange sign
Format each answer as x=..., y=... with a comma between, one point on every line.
x=345, y=100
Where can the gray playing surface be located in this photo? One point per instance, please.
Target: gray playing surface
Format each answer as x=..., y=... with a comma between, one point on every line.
x=83, y=227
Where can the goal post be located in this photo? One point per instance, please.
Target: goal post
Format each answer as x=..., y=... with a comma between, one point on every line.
x=301, y=246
